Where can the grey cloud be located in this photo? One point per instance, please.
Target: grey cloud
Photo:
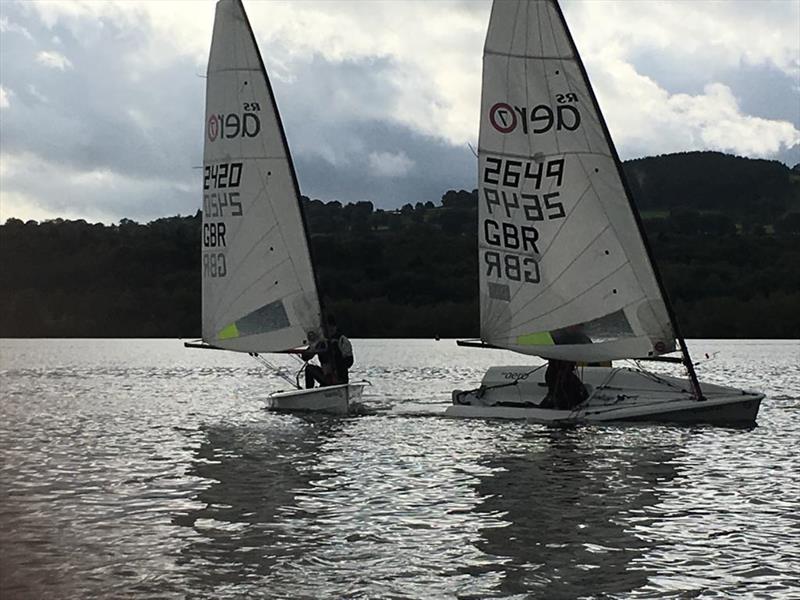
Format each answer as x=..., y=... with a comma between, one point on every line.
x=336, y=113
x=762, y=91
x=327, y=112
x=437, y=168
x=790, y=156
x=85, y=121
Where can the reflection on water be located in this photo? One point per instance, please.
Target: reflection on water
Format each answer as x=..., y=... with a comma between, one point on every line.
x=255, y=475
x=566, y=504
x=136, y=469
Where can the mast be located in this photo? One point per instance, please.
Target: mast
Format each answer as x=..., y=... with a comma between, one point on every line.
x=687, y=360
x=291, y=168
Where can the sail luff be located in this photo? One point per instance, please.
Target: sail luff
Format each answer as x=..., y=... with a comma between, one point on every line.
x=637, y=217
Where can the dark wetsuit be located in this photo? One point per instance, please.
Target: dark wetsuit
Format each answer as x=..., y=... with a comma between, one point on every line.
x=565, y=390
x=334, y=364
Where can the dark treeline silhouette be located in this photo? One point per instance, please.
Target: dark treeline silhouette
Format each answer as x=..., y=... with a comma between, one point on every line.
x=724, y=230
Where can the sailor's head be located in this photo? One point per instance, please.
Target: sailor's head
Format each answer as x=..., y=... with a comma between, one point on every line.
x=331, y=324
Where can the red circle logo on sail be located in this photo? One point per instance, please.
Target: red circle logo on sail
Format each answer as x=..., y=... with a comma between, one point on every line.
x=502, y=117
x=213, y=127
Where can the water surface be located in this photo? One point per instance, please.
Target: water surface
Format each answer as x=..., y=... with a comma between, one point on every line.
x=138, y=468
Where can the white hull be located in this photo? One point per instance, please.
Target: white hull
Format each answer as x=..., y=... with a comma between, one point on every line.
x=333, y=399
x=615, y=395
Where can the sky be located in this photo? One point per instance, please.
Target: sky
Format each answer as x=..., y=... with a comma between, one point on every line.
x=102, y=103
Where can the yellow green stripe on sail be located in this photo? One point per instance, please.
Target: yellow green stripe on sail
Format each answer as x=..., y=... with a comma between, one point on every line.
x=228, y=332
x=542, y=338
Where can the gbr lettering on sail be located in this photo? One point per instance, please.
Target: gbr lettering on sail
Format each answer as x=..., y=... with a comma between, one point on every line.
x=522, y=197
x=222, y=201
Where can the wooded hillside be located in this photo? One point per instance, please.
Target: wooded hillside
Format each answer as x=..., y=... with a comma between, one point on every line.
x=725, y=232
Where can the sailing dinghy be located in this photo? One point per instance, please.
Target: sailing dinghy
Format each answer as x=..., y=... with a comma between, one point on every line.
x=260, y=293
x=565, y=269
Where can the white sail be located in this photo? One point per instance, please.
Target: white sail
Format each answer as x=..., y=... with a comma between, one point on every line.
x=564, y=272
x=259, y=291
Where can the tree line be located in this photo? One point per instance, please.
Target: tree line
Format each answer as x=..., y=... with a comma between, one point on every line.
x=724, y=231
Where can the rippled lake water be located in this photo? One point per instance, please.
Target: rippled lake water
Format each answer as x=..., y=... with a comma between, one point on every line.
x=137, y=468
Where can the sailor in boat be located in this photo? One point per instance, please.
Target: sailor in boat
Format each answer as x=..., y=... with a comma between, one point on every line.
x=565, y=390
x=335, y=357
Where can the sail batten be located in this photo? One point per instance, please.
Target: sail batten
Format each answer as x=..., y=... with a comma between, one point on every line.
x=564, y=272
x=259, y=287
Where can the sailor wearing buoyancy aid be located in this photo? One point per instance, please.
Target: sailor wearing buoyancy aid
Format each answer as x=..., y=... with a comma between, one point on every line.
x=335, y=356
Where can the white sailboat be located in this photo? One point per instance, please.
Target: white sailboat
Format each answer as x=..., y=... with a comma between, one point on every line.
x=260, y=293
x=565, y=269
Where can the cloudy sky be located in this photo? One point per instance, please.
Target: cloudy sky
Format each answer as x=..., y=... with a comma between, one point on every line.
x=101, y=103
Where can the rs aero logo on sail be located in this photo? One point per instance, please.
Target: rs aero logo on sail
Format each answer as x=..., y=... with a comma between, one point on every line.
x=245, y=124
x=507, y=118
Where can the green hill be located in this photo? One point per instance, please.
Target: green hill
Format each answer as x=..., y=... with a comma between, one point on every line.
x=724, y=231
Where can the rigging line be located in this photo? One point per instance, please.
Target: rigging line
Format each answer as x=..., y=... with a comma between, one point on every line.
x=656, y=378
x=583, y=406
x=279, y=371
